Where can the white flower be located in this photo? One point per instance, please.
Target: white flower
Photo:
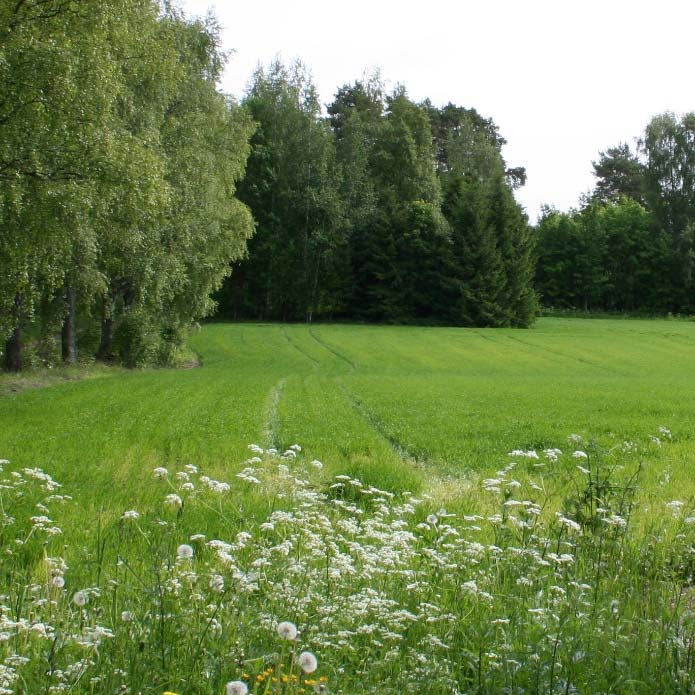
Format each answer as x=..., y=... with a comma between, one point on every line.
x=58, y=582
x=160, y=472
x=519, y=453
x=126, y=616
x=184, y=551
x=317, y=464
x=217, y=583
x=580, y=455
x=80, y=599
x=569, y=523
x=287, y=630
x=173, y=500
x=432, y=519
x=131, y=514
x=307, y=661
x=236, y=688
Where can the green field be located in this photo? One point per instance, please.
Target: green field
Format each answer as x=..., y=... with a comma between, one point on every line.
x=411, y=403
x=557, y=576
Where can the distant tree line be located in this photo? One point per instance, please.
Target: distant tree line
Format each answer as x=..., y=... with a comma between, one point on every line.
x=118, y=166
x=631, y=245
x=381, y=210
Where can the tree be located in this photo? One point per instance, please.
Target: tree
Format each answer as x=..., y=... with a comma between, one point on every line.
x=292, y=188
x=669, y=149
x=620, y=174
x=58, y=92
x=119, y=161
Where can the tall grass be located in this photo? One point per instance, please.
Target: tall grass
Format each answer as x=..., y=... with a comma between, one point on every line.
x=557, y=584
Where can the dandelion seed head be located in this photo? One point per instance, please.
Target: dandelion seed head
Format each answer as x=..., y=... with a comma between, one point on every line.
x=307, y=662
x=58, y=581
x=80, y=599
x=236, y=688
x=287, y=630
x=184, y=551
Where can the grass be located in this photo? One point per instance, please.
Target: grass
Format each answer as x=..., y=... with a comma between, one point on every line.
x=392, y=593
x=398, y=405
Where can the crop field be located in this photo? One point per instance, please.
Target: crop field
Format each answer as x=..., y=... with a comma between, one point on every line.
x=409, y=404
x=184, y=561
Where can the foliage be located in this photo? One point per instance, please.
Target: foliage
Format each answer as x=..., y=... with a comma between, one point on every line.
x=630, y=247
x=119, y=161
x=350, y=217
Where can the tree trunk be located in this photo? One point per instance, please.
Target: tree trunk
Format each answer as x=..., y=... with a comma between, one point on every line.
x=13, y=345
x=105, y=351
x=13, y=351
x=69, y=334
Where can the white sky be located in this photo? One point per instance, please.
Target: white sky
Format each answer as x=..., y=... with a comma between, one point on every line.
x=561, y=80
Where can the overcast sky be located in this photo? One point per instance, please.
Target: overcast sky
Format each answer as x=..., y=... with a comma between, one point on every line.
x=561, y=80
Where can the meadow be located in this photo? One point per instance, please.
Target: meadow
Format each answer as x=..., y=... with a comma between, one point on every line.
x=378, y=510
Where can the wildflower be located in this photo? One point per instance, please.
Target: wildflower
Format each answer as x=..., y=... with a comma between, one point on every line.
x=131, y=514
x=432, y=519
x=160, y=472
x=126, y=616
x=553, y=454
x=184, y=552
x=236, y=688
x=519, y=453
x=217, y=583
x=58, y=581
x=287, y=630
x=580, y=455
x=308, y=662
x=80, y=599
x=569, y=523
x=663, y=431
x=173, y=500
x=317, y=464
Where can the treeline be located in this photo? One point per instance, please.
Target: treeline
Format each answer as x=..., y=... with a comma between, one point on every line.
x=130, y=187
x=382, y=209
x=631, y=245
x=118, y=166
